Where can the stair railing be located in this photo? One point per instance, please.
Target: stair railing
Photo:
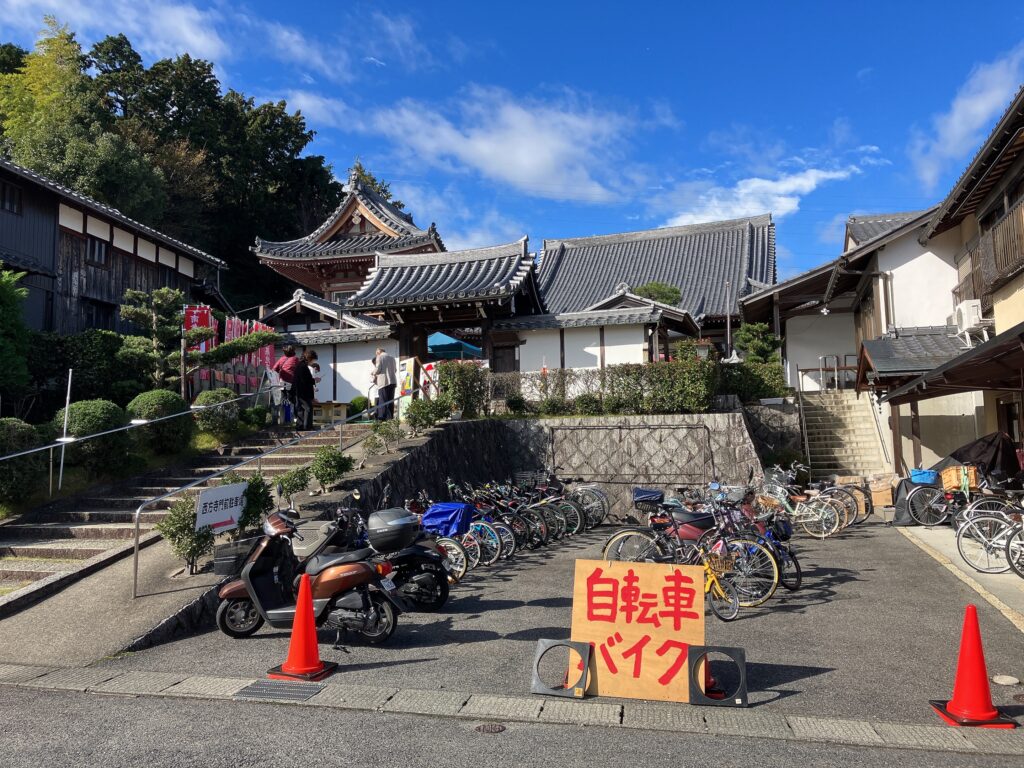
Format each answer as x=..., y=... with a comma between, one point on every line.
x=231, y=468
x=803, y=429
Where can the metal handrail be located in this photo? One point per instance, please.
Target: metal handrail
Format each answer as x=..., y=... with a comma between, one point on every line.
x=126, y=427
x=226, y=470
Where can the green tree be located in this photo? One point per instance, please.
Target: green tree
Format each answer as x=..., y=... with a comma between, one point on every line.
x=663, y=292
x=381, y=187
x=14, y=336
x=12, y=58
x=120, y=74
x=757, y=342
x=158, y=315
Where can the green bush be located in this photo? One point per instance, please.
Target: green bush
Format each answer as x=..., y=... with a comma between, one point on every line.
x=222, y=421
x=259, y=501
x=103, y=455
x=587, y=404
x=419, y=415
x=465, y=384
x=165, y=437
x=440, y=407
x=390, y=432
x=255, y=417
x=373, y=445
x=624, y=388
x=294, y=481
x=554, y=406
x=179, y=528
x=20, y=477
x=752, y=380
x=330, y=465
x=358, y=405
x=516, y=404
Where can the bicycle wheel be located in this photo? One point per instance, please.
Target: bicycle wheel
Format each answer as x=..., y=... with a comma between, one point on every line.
x=1014, y=553
x=558, y=522
x=575, y=518
x=723, y=599
x=471, y=544
x=982, y=541
x=538, y=528
x=634, y=547
x=457, y=557
x=849, y=502
x=819, y=517
x=790, y=573
x=864, y=505
x=508, y=540
x=983, y=506
x=519, y=527
x=755, y=572
x=927, y=505
x=490, y=542
x=595, y=503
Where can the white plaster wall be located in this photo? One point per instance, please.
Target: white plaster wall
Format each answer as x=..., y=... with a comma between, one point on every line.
x=539, y=349
x=351, y=372
x=811, y=336
x=582, y=347
x=923, y=278
x=624, y=344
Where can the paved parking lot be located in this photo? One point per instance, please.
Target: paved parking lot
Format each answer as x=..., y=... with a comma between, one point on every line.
x=872, y=635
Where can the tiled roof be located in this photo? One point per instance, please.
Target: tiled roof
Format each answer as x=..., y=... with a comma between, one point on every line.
x=336, y=335
x=344, y=245
x=913, y=350
x=861, y=229
x=698, y=259
x=632, y=316
x=311, y=301
x=109, y=212
x=432, y=278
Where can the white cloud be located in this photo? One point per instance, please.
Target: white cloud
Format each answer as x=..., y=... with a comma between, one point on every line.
x=955, y=133
x=321, y=110
x=554, y=149
x=460, y=224
x=157, y=28
x=706, y=201
x=396, y=37
x=289, y=45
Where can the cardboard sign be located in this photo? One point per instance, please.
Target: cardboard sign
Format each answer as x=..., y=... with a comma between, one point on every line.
x=640, y=619
x=220, y=507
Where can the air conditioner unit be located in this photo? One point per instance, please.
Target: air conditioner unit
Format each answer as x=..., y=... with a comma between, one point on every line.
x=968, y=316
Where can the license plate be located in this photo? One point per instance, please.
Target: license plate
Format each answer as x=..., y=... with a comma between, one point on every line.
x=388, y=584
x=447, y=564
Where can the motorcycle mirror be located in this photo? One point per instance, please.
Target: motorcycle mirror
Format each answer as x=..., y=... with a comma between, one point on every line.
x=280, y=489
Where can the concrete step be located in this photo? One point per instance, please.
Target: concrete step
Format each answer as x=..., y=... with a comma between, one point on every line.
x=58, y=549
x=105, y=516
x=101, y=503
x=6, y=587
x=33, y=568
x=58, y=530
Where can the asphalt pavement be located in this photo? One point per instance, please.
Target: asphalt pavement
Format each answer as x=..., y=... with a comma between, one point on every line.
x=66, y=728
x=872, y=635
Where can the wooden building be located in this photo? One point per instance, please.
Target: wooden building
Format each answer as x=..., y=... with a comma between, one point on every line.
x=81, y=256
x=333, y=260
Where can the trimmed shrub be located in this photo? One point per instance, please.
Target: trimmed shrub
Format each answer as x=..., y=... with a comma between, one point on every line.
x=587, y=404
x=222, y=421
x=259, y=501
x=358, y=405
x=390, y=432
x=330, y=465
x=294, y=481
x=19, y=477
x=165, y=437
x=374, y=446
x=102, y=455
x=554, y=406
x=440, y=407
x=419, y=414
x=465, y=384
x=255, y=417
x=179, y=528
x=751, y=380
x=516, y=404
x=624, y=388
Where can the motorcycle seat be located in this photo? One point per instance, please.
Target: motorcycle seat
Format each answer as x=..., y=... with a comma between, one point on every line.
x=322, y=562
x=701, y=520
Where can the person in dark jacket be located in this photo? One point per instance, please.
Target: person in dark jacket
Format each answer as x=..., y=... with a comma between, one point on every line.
x=303, y=391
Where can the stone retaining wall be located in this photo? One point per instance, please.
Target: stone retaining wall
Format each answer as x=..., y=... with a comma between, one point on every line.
x=774, y=429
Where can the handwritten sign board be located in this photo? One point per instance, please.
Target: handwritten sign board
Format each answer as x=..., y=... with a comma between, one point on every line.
x=220, y=507
x=640, y=619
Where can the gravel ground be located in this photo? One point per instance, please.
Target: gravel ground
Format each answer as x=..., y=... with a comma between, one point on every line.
x=872, y=635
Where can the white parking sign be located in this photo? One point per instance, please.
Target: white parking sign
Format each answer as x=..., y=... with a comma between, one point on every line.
x=220, y=507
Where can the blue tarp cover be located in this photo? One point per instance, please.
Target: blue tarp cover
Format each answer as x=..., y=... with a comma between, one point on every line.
x=648, y=494
x=449, y=518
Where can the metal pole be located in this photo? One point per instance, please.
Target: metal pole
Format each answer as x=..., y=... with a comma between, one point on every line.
x=181, y=370
x=67, y=407
x=728, y=319
x=51, y=471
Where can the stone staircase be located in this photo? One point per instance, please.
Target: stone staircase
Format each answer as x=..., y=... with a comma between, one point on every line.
x=60, y=539
x=841, y=434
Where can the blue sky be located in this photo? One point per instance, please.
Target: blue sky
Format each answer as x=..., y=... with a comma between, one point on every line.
x=559, y=119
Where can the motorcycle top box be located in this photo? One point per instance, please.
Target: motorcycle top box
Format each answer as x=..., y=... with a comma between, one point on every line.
x=390, y=530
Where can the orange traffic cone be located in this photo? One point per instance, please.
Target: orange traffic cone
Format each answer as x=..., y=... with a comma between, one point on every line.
x=971, y=704
x=303, y=662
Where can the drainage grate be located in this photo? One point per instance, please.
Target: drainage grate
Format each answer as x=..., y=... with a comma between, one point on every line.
x=490, y=728
x=280, y=690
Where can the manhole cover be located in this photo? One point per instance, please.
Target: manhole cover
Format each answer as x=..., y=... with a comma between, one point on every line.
x=1019, y=698
x=490, y=728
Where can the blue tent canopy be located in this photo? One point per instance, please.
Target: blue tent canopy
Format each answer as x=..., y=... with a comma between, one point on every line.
x=444, y=347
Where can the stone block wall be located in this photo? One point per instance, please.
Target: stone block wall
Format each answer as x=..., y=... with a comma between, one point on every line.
x=774, y=429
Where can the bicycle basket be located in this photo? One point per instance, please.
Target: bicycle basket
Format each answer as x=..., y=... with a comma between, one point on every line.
x=782, y=528
x=767, y=502
x=721, y=563
x=648, y=508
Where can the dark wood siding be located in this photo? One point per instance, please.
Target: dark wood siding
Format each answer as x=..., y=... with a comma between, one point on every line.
x=28, y=238
x=81, y=283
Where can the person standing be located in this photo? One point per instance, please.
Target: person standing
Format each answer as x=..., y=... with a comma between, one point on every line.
x=385, y=376
x=285, y=368
x=303, y=391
